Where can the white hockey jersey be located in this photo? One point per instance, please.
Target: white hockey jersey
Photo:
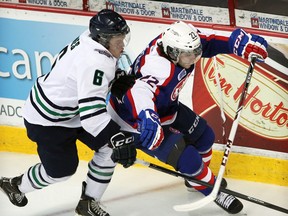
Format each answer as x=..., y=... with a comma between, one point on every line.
x=73, y=93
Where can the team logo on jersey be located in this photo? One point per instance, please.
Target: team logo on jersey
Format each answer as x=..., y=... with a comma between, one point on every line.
x=104, y=52
x=182, y=74
x=177, y=89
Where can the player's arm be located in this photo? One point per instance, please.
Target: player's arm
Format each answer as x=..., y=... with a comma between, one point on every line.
x=149, y=126
x=238, y=42
x=92, y=91
x=124, y=150
x=214, y=43
x=141, y=103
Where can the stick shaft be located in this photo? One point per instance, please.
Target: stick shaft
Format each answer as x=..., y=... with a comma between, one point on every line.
x=221, y=103
x=234, y=128
x=234, y=193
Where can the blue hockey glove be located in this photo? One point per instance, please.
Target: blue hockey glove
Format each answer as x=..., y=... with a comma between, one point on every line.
x=151, y=132
x=246, y=45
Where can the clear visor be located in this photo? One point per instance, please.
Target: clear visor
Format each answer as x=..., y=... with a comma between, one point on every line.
x=195, y=52
x=127, y=39
x=118, y=40
x=122, y=40
x=189, y=57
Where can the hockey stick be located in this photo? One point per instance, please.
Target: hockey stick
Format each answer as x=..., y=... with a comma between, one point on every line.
x=213, y=195
x=189, y=178
x=217, y=75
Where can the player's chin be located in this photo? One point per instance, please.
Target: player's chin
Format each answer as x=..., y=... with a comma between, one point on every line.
x=187, y=66
x=118, y=54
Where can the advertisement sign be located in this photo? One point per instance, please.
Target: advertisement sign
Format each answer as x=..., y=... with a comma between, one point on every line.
x=175, y=11
x=27, y=50
x=72, y=4
x=29, y=46
x=167, y=10
x=262, y=21
x=264, y=118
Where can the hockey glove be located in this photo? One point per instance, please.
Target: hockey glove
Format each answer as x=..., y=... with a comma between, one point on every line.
x=151, y=132
x=122, y=83
x=246, y=45
x=124, y=150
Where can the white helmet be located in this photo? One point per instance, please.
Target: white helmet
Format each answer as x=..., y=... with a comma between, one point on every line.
x=180, y=37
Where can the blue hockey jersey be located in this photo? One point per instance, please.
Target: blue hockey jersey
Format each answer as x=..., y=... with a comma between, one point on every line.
x=159, y=81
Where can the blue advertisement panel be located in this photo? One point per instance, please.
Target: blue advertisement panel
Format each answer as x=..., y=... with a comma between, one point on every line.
x=27, y=50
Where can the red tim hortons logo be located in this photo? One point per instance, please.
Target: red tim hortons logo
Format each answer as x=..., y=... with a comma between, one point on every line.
x=264, y=118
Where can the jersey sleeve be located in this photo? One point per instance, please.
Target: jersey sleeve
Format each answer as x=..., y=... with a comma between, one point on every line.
x=143, y=94
x=92, y=87
x=214, y=42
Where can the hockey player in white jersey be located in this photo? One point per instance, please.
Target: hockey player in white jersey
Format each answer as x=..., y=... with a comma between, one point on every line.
x=69, y=104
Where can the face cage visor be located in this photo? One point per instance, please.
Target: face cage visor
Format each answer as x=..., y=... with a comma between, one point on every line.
x=187, y=56
x=105, y=38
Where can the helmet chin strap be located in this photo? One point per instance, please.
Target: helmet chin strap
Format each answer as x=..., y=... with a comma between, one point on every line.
x=175, y=61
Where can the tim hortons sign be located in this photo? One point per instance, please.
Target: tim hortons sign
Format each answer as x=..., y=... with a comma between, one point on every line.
x=264, y=118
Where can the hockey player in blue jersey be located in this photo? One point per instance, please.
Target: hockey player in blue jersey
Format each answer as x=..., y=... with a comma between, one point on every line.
x=164, y=127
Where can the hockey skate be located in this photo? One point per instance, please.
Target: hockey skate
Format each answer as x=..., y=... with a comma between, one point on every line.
x=10, y=187
x=191, y=189
x=229, y=203
x=87, y=206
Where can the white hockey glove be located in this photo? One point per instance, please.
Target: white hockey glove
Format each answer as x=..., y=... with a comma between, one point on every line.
x=246, y=45
x=124, y=150
x=151, y=132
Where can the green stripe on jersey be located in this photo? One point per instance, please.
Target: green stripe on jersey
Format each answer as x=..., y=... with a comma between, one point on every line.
x=50, y=111
x=97, y=106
